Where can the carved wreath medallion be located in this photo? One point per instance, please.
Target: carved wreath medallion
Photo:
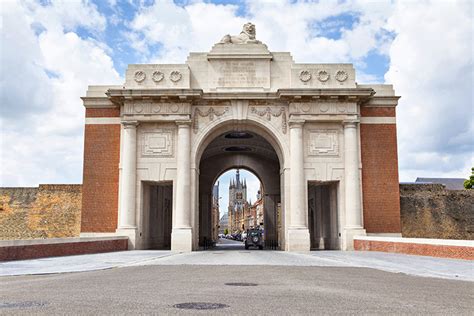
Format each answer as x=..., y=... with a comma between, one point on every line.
x=305, y=76
x=139, y=76
x=175, y=76
x=341, y=76
x=323, y=76
x=157, y=76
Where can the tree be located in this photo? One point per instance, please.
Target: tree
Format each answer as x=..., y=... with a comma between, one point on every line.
x=226, y=231
x=469, y=184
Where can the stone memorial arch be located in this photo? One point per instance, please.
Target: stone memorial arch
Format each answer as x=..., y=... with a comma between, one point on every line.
x=323, y=146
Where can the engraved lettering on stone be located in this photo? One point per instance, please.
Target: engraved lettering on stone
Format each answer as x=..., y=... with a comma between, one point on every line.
x=305, y=76
x=157, y=143
x=323, y=143
x=341, y=76
x=157, y=76
x=175, y=76
x=323, y=76
x=240, y=74
x=139, y=76
x=211, y=113
x=268, y=114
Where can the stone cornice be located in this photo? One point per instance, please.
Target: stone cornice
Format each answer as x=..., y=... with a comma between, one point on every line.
x=383, y=101
x=97, y=102
x=117, y=96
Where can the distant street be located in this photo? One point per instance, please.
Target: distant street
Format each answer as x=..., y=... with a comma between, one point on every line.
x=229, y=244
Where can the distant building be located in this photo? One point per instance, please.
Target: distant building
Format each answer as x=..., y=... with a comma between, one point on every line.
x=449, y=183
x=215, y=211
x=224, y=223
x=238, y=204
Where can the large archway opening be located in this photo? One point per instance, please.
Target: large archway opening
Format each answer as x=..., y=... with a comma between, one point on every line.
x=240, y=150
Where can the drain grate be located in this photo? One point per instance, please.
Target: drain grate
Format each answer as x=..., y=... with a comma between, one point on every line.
x=21, y=304
x=200, y=306
x=241, y=284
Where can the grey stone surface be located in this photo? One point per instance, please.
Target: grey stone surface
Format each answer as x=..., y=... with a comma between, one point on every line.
x=238, y=256
x=281, y=290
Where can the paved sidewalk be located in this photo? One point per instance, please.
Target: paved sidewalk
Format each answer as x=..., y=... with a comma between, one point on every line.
x=396, y=263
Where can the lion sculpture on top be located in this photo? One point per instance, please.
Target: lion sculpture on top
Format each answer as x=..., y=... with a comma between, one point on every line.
x=245, y=37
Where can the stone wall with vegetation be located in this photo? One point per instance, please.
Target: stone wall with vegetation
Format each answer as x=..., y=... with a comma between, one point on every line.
x=431, y=211
x=49, y=211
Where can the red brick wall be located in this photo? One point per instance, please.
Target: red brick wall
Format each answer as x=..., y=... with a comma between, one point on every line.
x=380, y=184
x=61, y=249
x=101, y=176
x=102, y=112
x=377, y=111
x=443, y=251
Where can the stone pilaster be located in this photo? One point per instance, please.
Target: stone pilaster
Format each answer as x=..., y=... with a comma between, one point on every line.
x=353, y=218
x=298, y=233
x=128, y=178
x=181, y=237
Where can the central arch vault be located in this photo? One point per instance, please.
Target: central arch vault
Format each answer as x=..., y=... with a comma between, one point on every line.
x=243, y=149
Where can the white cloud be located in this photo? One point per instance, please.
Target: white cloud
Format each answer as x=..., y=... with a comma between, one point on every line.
x=42, y=126
x=432, y=69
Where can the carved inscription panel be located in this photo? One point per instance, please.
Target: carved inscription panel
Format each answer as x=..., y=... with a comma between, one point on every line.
x=158, y=142
x=240, y=74
x=323, y=143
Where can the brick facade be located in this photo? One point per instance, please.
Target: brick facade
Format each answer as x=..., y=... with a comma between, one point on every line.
x=381, y=196
x=101, y=174
x=108, y=112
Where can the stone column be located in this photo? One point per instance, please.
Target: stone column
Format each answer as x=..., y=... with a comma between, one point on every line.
x=353, y=218
x=298, y=233
x=128, y=178
x=181, y=237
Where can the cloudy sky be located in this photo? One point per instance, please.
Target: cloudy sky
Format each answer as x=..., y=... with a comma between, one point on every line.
x=51, y=50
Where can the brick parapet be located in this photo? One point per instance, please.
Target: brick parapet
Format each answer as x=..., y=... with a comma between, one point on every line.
x=43, y=249
x=416, y=248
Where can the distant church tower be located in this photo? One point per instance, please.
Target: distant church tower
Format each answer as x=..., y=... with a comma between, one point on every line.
x=237, y=192
x=237, y=200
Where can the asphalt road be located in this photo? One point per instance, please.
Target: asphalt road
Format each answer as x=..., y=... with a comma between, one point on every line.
x=280, y=290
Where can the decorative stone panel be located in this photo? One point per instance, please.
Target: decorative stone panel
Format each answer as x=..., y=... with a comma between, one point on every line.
x=322, y=76
x=158, y=142
x=323, y=107
x=323, y=143
x=149, y=107
x=270, y=113
x=211, y=113
x=158, y=76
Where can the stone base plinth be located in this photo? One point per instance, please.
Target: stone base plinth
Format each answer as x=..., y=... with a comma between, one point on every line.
x=298, y=239
x=182, y=239
x=349, y=233
x=131, y=233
